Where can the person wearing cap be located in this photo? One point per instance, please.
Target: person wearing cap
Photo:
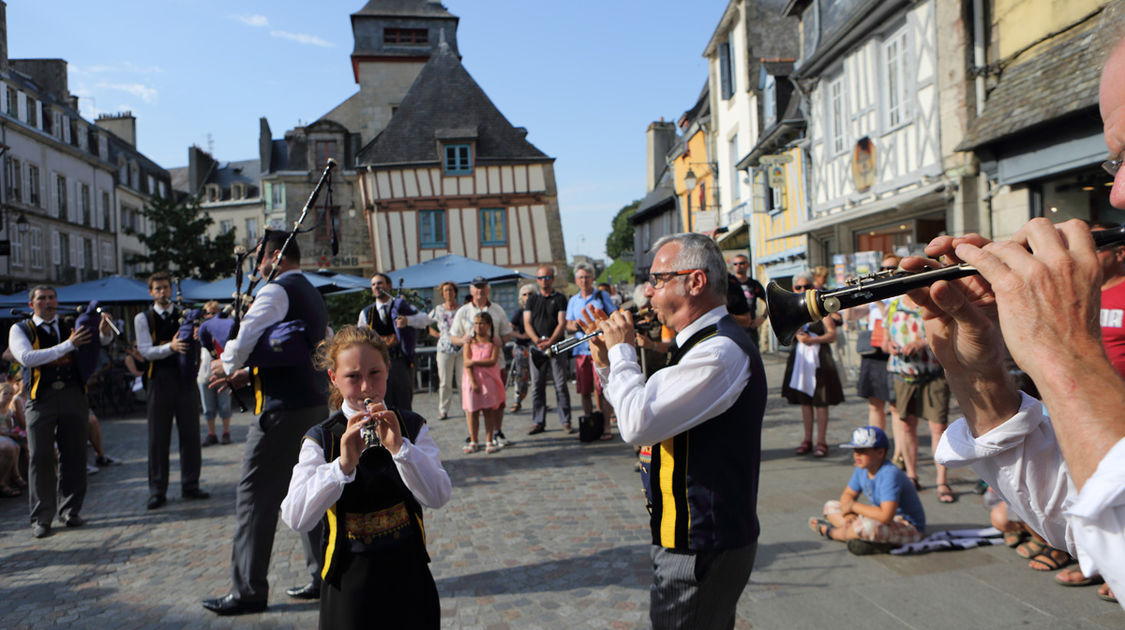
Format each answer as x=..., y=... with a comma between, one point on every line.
x=461, y=332
x=395, y=320
x=895, y=515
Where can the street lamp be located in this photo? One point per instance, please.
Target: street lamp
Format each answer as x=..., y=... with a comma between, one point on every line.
x=22, y=224
x=690, y=180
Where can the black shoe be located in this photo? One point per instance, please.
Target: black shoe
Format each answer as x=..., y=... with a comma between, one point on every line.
x=39, y=530
x=74, y=521
x=210, y=440
x=196, y=494
x=232, y=605
x=860, y=547
x=105, y=460
x=537, y=429
x=226, y=438
x=156, y=501
x=308, y=591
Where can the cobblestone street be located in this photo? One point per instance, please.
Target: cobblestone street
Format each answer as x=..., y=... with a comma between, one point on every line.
x=548, y=533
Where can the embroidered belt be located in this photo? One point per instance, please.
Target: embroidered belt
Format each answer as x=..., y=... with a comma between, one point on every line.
x=372, y=525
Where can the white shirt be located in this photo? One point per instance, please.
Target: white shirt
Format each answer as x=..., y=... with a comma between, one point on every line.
x=316, y=485
x=1021, y=461
x=269, y=307
x=417, y=320
x=27, y=356
x=144, y=337
x=704, y=384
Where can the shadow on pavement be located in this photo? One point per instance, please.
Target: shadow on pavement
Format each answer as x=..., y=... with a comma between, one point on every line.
x=624, y=566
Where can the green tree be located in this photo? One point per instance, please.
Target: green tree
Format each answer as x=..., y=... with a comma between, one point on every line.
x=179, y=240
x=620, y=240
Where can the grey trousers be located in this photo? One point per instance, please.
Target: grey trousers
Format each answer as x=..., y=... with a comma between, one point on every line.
x=557, y=367
x=698, y=590
x=170, y=395
x=272, y=446
x=57, y=416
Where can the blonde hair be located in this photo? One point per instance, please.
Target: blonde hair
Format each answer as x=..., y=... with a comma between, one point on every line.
x=212, y=306
x=345, y=338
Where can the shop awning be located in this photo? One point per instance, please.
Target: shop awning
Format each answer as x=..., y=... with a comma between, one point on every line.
x=900, y=201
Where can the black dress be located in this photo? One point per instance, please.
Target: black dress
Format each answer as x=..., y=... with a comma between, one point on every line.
x=828, y=389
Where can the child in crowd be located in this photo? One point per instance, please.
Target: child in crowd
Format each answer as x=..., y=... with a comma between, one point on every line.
x=895, y=516
x=12, y=439
x=482, y=389
x=376, y=569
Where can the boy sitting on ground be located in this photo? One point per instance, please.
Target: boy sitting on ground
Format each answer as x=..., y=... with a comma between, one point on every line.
x=895, y=516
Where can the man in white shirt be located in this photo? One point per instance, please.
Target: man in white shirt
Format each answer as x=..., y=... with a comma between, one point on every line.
x=703, y=417
x=57, y=410
x=395, y=320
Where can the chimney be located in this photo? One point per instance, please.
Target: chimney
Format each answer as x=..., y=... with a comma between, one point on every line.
x=122, y=124
x=200, y=164
x=3, y=37
x=658, y=140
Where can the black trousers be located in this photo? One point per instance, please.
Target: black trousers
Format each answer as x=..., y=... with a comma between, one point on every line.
x=400, y=384
x=170, y=396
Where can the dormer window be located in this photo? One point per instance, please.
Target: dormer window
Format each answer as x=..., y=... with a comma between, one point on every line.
x=214, y=193
x=238, y=190
x=324, y=149
x=458, y=159
x=406, y=36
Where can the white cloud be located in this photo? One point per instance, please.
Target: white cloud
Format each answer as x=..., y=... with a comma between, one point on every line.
x=302, y=38
x=144, y=92
x=256, y=20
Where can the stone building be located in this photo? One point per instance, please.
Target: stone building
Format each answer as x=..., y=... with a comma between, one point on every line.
x=137, y=179
x=229, y=192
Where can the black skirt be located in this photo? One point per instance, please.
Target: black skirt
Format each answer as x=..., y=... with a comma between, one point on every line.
x=389, y=589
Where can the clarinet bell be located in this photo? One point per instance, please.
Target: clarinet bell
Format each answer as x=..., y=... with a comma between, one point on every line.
x=788, y=311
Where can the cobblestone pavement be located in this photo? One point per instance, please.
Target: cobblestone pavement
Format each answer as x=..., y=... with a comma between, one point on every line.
x=548, y=533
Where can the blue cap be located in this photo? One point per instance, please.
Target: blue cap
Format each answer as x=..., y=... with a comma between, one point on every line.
x=868, y=437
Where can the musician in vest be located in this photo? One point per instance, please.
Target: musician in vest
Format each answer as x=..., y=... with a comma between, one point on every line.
x=171, y=394
x=57, y=409
x=290, y=399
x=395, y=320
x=703, y=417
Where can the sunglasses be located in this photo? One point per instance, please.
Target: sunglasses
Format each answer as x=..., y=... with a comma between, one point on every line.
x=801, y=286
x=543, y=277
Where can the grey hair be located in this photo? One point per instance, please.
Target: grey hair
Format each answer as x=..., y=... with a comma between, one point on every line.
x=584, y=267
x=699, y=252
x=804, y=275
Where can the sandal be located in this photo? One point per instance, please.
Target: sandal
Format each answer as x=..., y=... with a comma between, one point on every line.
x=822, y=527
x=9, y=492
x=470, y=448
x=1030, y=549
x=1105, y=594
x=1014, y=538
x=900, y=462
x=1084, y=581
x=917, y=484
x=1050, y=559
x=514, y=408
x=945, y=496
x=491, y=447
x=821, y=450
x=805, y=447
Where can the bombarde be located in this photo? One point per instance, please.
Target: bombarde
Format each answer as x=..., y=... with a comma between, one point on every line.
x=789, y=311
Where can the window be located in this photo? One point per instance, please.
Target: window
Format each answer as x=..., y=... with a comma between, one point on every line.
x=16, y=256
x=277, y=195
x=13, y=177
x=406, y=36
x=493, y=226
x=238, y=190
x=60, y=196
x=58, y=126
x=225, y=226
x=836, y=116
x=13, y=102
x=151, y=185
x=214, y=193
x=86, y=254
x=324, y=149
x=251, y=229
x=107, y=257
x=129, y=218
x=92, y=141
x=458, y=159
x=122, y=170
x=769, y=98
x=107, y=214
x=47, y=118
x=32, y=112
x=161, y=189
x=33, y=185
x=35, y=242
x=85, y=201
x=895, y=89
x=431, y=228
x=64, y=250
x=726, y=71
x=735, y=188
x=74, y=128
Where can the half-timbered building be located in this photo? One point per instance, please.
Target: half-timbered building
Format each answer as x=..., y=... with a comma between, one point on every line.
x=450, y=175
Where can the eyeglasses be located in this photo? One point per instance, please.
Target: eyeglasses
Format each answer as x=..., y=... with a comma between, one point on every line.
x=543, y=277
x=740, y=263
x=798, y=287
x=658, y=278
x=1112, y=166
x=888, y=268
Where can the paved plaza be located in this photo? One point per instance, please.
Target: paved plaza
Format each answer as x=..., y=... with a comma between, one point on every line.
x=548, y=533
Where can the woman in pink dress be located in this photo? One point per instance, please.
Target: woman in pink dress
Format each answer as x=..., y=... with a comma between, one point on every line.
x=482, y=386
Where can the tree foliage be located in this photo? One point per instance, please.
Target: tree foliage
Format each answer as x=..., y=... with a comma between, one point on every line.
x=620, y=240
x=179, y=241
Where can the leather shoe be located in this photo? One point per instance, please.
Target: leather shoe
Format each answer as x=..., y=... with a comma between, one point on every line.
x=308, y=591
x=155, y=501
x=196, y=494
x=74, y=521
x=40, y=530
x=232, y=605
x=537, y=429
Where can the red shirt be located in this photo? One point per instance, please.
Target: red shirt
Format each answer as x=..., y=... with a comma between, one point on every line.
x=1113, y=326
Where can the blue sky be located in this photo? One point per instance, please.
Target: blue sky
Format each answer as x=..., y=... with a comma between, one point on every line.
x=585, y=77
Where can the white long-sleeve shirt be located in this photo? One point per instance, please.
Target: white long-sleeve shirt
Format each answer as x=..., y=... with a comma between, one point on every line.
x=1022, y=462
x=705, y=383
x=316, y=485
x=144, y=337
x=27, y=356
x=270, y=306
x=417, y=320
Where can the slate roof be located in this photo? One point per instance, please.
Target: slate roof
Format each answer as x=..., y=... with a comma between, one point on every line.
x=1059, y=81
x=404, y=8
x=443, y=98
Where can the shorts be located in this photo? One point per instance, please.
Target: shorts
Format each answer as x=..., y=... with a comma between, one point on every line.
x=928, y=400
x=585, y=376
x=899, y=532
x=874, y=380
